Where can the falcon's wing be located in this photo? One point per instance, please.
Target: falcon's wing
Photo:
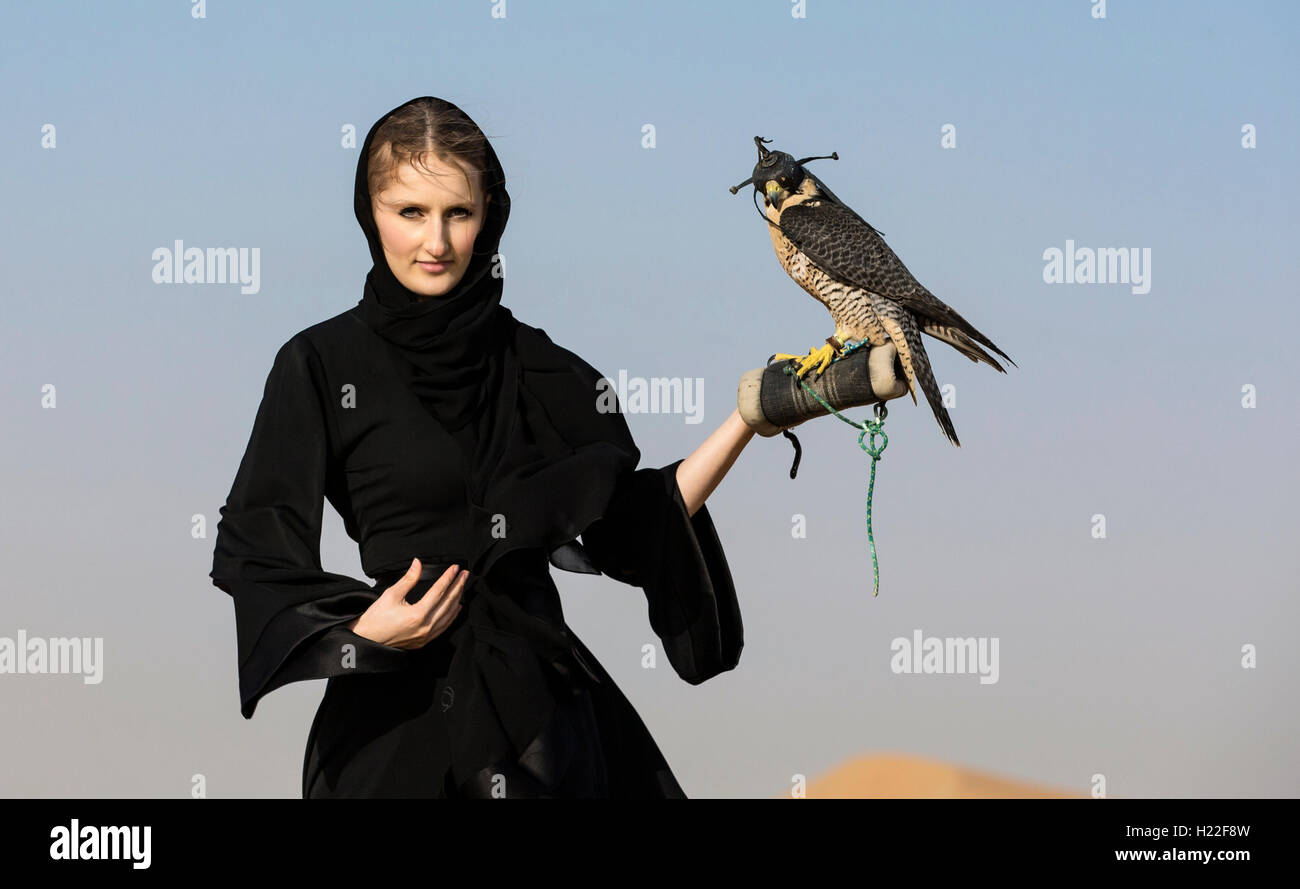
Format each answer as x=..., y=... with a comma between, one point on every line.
x=844, y=246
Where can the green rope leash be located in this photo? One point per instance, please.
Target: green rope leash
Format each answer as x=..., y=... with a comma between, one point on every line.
x=875, y=428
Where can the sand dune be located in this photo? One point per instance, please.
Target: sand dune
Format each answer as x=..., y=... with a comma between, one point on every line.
x=886, y=775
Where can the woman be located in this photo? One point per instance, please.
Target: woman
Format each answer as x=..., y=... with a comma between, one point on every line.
x=466, y=453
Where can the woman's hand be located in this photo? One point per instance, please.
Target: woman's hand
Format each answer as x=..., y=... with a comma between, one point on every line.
x=393, y=621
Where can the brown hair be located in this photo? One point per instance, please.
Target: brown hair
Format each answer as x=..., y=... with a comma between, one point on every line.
x=426, y=127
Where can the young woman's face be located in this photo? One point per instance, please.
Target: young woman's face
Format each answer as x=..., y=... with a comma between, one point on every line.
x=427, y=224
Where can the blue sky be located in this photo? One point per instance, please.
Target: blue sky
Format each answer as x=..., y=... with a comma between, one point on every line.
x=1121, y=655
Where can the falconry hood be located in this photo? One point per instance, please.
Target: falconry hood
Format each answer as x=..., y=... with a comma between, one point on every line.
x=778, y=171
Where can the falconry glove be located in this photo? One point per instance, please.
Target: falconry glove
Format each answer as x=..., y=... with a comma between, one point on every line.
x=771, y=400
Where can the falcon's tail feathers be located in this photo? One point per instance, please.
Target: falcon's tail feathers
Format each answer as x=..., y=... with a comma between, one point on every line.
x=916, y=364
x=962, y=343
x=929, y=308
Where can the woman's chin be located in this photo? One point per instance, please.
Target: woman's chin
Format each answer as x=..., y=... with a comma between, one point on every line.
x=432, y=290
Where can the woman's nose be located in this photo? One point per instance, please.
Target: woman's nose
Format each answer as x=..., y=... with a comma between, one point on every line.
x=436, y=240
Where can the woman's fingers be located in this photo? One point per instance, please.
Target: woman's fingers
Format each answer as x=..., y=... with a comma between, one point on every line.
x=434, y=595
x=393, y=621
x=444, y=603
x=403, y=584
x=413, y=624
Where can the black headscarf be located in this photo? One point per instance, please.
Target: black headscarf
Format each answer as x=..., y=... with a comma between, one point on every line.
x=454, y=340
x=523, y=409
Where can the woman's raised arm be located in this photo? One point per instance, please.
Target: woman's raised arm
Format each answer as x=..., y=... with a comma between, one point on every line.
x=701, y=472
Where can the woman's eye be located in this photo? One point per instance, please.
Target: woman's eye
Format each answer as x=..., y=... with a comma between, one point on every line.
x=416, y=210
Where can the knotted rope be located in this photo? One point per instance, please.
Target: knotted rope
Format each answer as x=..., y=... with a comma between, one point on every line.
x=873, y=428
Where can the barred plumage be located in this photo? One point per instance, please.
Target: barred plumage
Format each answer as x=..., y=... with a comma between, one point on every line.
x=844, y=263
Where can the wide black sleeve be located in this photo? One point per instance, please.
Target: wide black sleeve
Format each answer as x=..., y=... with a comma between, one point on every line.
x=647, y=539
x=289, y=613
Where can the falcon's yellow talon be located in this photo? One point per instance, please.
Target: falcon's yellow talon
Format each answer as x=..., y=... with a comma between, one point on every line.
x=822, y=357
x=782, y=356
x=804, y=361
x=819, y=357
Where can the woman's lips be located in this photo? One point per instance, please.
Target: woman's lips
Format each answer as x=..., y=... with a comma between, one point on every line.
x=434, y=267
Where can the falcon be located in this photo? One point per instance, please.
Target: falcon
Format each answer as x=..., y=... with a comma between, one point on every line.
x=834, y=254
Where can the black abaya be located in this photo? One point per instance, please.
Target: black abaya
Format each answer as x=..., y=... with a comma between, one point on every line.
x=391, y=720
x=448, y=430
